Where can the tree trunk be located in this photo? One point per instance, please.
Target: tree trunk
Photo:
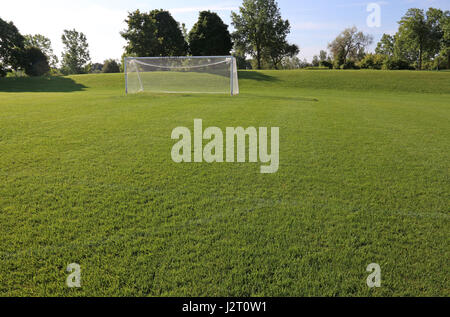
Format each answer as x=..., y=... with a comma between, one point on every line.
x=258, y=57
x=420, y=57
x=258, y=54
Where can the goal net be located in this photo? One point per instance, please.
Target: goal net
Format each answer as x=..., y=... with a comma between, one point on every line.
x=216, y=74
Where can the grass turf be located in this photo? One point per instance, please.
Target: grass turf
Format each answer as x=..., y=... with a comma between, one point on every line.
x=86, y=176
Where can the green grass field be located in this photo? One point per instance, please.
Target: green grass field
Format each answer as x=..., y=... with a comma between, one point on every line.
x=86, y=176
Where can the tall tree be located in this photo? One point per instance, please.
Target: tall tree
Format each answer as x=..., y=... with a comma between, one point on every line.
x=261, y=32
x=386, y=45
x=11, y=46
x=75, y=57
x=210, y=36
x=419, y=35
x=44, y=44
x=153, y=34
x=445, y=42
x=277, y=46
x=349, y=45
x=323, y=56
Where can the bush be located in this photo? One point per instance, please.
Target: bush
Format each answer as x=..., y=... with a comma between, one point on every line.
x=349, y=65
x=35, y=62
x=373, y=61
x=16, y=74
x=242, y=62
x=396, y=64
x=111, y=66
x=96, y=68
x=326, y=64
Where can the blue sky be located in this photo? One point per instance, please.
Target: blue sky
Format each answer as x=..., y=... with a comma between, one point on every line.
x=314, y=23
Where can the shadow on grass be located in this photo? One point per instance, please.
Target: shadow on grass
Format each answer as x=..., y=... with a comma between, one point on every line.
x=255, y=75
x=39, y=84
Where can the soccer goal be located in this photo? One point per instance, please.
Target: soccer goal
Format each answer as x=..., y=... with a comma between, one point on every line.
x=190, y=74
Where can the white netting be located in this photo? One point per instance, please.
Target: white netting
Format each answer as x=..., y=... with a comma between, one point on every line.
x=182, y=75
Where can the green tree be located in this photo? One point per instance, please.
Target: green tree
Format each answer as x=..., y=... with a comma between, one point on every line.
x=44, y=44
x=261, y=32
x=420, y=35
x=153, y=34
x=111, y=66
x=323, y=56
x=315, y=61
x=11, y=46
x=386, y=45
x=445, y=42
x=34, y=62
x=210, y=36
x=349, y=45
x=75, y=57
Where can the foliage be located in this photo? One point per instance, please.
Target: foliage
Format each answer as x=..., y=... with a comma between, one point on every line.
x=35, y=62
x=210, y=36
x=44, y=44
x=373, y=61
x=96, y=68
x=292, y=63
x=420, y=35
x=153, y=34
x=111, y=66
x=326, y=64
x=315, y=61
x=261, y=32
x=386, y=45
x=350, y=64
x=241, y=61
x=75, y=57
x=350, y=44
x=323, y=56
x=394, y=63
x=11, y=46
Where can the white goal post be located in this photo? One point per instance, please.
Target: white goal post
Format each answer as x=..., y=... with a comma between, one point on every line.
x=186, y=74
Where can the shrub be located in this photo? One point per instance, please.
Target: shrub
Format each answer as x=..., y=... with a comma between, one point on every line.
x=111, y=66
x=35, y=62
x=373, y=61
x=96, y=68
x=349, y=65
x=396, y=64
x=326, y=64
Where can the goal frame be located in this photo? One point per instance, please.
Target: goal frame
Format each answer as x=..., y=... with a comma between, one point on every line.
x=232, y=70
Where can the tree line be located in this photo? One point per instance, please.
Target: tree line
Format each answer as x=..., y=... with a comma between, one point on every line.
x=422, y=42
x=259, y=41
x=260, y=32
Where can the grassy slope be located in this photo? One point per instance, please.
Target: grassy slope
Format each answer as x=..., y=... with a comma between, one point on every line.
x=86, y=177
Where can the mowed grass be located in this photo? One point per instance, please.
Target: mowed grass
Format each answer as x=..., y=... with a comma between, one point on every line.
x=86, y=177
